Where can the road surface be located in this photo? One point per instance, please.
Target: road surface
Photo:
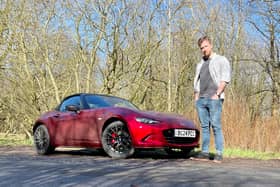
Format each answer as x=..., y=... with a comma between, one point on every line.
x=21, y=166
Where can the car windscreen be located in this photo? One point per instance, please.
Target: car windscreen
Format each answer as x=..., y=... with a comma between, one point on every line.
x=98, y=101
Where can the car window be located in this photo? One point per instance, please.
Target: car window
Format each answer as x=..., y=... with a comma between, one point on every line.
x=75, y=100
x=96, y=102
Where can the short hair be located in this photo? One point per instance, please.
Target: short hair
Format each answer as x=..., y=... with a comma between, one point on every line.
x=202, y=39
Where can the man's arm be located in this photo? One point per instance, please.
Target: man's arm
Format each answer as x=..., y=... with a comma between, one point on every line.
x=221, y=87
x=220, y=90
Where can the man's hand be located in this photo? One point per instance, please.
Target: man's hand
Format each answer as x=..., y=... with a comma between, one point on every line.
x=215, y=96
x=196, y=96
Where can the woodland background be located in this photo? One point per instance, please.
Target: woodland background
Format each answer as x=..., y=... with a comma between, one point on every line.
x=145, y=51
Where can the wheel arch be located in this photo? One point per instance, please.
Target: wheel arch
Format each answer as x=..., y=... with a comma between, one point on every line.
x=113, y=119
x=108, y=148
x=42, y=140
x=38, y=123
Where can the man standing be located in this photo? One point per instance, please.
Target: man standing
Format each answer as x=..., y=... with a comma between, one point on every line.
x=212, y=75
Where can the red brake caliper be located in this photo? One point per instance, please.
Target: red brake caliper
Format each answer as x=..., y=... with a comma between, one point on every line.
x=114, y=135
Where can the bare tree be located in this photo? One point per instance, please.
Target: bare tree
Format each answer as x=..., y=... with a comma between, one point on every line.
x=34, y=69
x=265, y=20
x=142, y=50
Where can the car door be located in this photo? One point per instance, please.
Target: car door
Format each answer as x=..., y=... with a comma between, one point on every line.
x=86, y=129
x=65, y=121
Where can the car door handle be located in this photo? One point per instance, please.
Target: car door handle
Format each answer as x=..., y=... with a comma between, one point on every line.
x=56, y=115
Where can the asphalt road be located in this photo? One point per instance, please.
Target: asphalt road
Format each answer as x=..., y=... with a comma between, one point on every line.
x=22, y=167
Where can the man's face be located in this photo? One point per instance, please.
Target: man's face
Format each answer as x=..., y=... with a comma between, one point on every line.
x=206, y=48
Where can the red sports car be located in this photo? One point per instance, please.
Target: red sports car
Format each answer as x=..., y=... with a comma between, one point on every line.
x=112, y=124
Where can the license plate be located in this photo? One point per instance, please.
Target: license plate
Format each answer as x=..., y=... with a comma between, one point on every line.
x=184, y=133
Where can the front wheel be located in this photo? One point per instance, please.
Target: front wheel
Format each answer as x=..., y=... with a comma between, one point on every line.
x=116, y=140
x=42, y=140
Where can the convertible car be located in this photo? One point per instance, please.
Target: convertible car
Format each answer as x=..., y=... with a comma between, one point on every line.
x=111, y=124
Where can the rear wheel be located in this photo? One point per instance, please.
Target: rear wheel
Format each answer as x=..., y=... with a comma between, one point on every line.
x=42, y=140
x=116, y=140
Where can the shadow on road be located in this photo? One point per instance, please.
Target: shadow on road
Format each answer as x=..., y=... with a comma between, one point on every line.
x=141, y=154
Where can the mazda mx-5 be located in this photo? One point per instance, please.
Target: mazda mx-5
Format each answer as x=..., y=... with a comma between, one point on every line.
x=112, y=124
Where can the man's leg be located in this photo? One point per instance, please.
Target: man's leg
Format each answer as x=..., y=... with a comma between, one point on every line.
x=203, y=114
x=215, y=120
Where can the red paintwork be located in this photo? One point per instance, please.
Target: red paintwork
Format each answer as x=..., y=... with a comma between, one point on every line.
x=84, y=129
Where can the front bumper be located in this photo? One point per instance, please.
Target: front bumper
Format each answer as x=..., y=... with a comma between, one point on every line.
x=152, y=136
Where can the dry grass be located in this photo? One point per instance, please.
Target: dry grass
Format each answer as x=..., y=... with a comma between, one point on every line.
x=262, y=134
x=240, y=132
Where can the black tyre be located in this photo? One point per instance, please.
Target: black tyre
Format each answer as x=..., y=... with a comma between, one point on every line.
x=42, y=140
x=116, y=140
x=178, y=152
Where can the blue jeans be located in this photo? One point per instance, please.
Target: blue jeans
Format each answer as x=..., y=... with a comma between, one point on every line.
x=209, y=113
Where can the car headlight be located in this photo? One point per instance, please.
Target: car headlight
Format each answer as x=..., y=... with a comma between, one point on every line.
x=146, y=120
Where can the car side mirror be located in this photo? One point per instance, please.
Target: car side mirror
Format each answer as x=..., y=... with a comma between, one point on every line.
x=73, y=108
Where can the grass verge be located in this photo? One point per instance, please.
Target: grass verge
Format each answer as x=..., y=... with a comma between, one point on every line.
x=14, y=140
x=248, y=154
x=239, y=153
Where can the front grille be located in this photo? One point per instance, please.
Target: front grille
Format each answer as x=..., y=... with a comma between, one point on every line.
x=169, y=136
